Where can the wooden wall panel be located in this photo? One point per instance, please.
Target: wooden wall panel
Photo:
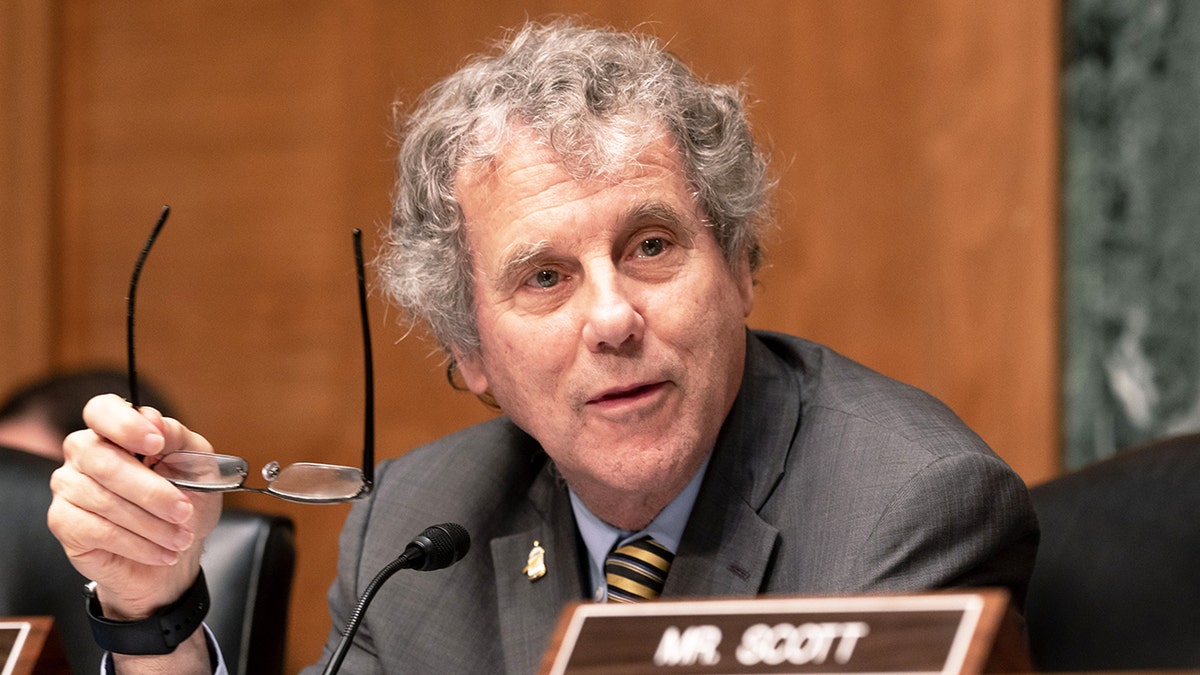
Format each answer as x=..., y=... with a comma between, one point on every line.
x=27, y=115
x=915, y=144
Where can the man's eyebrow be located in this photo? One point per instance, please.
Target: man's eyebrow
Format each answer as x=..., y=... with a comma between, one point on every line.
x=655, y=210
x=517, y=261
x=666, y=214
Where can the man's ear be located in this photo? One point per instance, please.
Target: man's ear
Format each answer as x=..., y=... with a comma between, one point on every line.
x=470, y=366
x=745, y=282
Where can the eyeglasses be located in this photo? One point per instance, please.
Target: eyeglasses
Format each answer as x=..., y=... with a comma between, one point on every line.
x=306, y=482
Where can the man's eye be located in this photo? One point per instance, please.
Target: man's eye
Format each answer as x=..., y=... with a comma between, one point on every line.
x=651, y=247
x=545, y=278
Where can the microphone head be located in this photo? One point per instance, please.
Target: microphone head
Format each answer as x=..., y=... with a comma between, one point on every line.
x=440, y=546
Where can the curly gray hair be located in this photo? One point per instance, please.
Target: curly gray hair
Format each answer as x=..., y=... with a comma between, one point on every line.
x=596, y=97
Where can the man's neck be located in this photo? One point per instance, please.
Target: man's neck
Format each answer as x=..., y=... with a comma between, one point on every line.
x=667, y=528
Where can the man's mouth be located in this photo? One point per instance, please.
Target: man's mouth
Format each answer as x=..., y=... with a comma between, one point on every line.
x=627, y=393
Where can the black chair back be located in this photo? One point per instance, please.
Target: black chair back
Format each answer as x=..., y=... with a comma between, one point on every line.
x=249, y=560
x=1117, y=580
x=36, y=579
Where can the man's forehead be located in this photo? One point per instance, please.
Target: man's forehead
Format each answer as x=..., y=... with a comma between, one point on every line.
x=521, y=153
x=527, y=179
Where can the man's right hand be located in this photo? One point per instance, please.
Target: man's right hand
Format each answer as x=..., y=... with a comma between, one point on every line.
x=123, y=526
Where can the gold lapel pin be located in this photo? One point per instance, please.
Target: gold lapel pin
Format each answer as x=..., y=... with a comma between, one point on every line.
x=535, y=567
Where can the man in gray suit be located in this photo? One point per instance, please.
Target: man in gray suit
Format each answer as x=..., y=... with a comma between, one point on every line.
x=577, y=219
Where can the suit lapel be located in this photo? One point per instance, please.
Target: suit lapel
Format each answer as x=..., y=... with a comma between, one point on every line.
x=727, y=546
x=725, y=550
x=529, y=609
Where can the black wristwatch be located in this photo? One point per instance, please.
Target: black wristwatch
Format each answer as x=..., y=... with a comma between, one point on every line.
x=160, y=633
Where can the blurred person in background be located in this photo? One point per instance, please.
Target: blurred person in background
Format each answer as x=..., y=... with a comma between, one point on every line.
x=38, y=415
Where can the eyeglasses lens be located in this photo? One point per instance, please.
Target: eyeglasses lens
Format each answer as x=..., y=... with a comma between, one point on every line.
x=202, y=470
x=306, y=480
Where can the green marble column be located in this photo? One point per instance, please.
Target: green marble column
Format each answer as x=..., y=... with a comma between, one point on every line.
x=1131, y=115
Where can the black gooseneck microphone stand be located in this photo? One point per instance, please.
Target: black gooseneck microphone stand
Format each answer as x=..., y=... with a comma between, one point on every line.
x=437, y=547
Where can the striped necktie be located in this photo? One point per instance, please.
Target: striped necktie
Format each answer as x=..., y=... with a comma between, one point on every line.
x=637, y=570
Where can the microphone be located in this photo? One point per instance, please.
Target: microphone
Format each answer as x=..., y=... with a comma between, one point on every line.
x=437, y=547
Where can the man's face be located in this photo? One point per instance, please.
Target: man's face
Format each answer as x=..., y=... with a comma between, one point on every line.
x=611, y=327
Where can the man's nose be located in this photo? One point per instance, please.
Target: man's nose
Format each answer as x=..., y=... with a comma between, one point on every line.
x=611, y=319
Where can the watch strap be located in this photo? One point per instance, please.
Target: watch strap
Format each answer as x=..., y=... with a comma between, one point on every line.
x=159, y=633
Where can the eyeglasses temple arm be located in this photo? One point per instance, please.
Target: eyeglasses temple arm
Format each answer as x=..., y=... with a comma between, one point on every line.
x=368, y=465
x=130, y=302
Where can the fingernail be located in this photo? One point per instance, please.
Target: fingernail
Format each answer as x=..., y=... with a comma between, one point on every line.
x=182, y=540
x=180, y=512
x=170, y=557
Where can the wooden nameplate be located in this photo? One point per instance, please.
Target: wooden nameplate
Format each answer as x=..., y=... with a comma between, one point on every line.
x=970, y=631
x=29, y=645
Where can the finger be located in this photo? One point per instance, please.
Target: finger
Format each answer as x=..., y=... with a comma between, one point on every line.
x=176, y=436
x=85, y=493
x=92, y=541
x=113, y=418
x=111, y=469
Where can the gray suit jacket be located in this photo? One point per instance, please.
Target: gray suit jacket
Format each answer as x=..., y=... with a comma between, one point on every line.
x=827, y=478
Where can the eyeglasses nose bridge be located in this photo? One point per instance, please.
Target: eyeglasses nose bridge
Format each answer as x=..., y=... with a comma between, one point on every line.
x=271, y=471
